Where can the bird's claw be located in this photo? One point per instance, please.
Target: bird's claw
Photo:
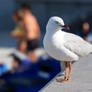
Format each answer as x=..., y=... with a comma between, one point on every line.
x=62, y=79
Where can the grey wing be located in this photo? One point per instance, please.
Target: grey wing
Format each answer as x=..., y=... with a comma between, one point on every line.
x=77, y=45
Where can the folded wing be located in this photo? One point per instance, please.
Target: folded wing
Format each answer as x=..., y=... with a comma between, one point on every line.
x=77, y=45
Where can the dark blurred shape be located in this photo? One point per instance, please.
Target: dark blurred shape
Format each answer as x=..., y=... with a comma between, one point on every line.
x=22, y=46
x=16, y=61
x=25, y=6
x=4, y=87
x=35, y=77
x=85, y=31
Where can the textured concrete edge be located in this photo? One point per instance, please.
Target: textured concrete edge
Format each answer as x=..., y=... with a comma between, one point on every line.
x=50, y=81
x=54, y=78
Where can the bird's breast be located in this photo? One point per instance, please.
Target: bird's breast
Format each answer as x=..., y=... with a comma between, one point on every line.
x=54, y=40
x=54, y=46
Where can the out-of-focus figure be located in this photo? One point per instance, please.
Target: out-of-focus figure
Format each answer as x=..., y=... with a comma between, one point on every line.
x=31, y=24
x=32, y=31
x=19, y=32
x=85, y=32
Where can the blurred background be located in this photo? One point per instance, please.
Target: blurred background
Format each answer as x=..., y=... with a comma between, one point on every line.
x=24, y=65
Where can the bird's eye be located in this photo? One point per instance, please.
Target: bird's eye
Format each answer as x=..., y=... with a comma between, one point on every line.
x=56, y=22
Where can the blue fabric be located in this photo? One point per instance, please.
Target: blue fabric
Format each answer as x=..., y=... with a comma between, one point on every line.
x=26, y=61
x=3, y=68
x=34, y=81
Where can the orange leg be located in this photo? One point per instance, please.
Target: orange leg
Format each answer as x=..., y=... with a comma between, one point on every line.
x=70, y=69
x=66, y=76
x=66, y=69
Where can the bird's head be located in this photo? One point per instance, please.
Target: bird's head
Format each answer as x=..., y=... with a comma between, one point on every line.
x=57, y=23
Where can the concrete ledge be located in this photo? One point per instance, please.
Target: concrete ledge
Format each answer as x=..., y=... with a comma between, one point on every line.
x=81, y=79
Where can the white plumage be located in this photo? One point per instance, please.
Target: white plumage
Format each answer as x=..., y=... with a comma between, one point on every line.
x=64, y=46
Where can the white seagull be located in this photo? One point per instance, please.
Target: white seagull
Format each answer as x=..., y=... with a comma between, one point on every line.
x=63, y=46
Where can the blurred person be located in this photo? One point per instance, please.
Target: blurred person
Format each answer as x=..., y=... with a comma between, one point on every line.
x=32, y=31
x=85, y=32
x=31, y=24
x=19, y=32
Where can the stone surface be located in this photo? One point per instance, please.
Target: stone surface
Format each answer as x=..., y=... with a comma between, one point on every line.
x=81, y=78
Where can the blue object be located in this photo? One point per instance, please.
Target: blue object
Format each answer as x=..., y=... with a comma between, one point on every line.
x=3, y=68
x=35, y=76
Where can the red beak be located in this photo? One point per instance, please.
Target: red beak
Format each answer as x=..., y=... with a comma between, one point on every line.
x=66, y=27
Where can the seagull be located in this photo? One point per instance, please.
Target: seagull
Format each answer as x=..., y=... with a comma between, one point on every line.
x=63, y=46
